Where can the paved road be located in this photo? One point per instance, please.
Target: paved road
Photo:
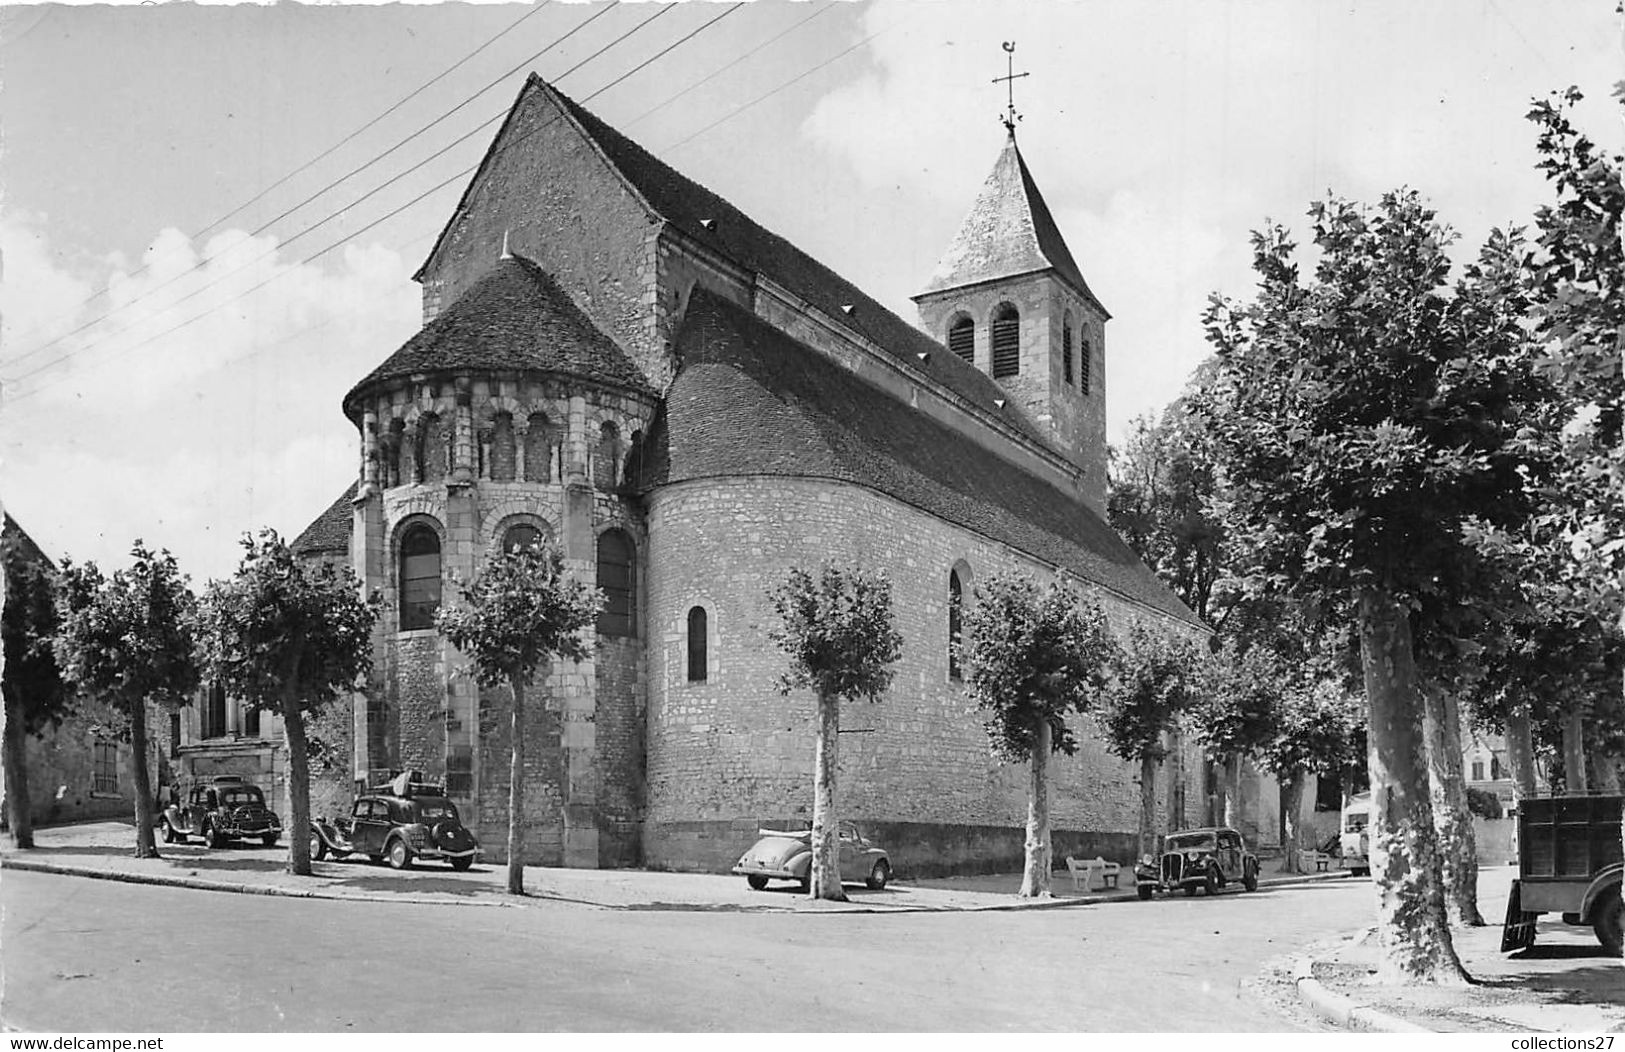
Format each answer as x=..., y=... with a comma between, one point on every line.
x=85, y=955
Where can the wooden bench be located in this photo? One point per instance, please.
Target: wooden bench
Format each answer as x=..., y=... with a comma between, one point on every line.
x=1316, y=861
x=1085, y=870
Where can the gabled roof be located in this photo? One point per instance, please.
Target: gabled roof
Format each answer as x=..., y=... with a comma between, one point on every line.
x=1008, y=232
x=515, y=317
x=330, y=532
x=751, y=400
x=708, y=219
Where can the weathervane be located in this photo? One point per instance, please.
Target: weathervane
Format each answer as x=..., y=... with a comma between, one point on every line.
x=1010, y=77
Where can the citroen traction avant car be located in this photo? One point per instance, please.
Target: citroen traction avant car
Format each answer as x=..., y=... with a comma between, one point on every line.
x=1207, y=858
x=787, y=855
x=403, y=821
x=222, y=809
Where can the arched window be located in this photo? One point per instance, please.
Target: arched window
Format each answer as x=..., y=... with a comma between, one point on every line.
x=696, y=645
x=538, y=449
x=522, y=535
x=431, y=449
x=962, y=339
x=1006, y=342
x=502, y=448
x=420, y=577
x=607, y=463
x=1088, y=352
x=618, y=581
x=1066, y=350
x=956, y=621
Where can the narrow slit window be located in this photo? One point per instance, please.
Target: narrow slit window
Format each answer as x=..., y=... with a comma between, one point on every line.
x=697, y=645
x=956, y=600
x=1066, y=351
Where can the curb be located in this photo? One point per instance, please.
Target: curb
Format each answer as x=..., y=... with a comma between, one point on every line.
x=1341, y=1010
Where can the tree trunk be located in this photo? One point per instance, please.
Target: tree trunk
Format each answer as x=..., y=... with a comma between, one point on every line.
x=1291, y=808
x=1452, y=819
x=19, y=811
x=1178, y=781
x=1148, y=805
x=1232, y=791
x=298, y=829
x=1035, y=873
x=1413, y=930
x=1604, y=772
x=516, y=792
x=1521, y=751
x=145, y=845
x=1574, y=752
x=826, y=854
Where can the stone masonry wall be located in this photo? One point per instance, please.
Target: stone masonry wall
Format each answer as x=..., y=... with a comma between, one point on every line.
x=729, y=753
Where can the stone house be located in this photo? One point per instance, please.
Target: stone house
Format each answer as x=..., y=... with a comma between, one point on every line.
x=617, y=360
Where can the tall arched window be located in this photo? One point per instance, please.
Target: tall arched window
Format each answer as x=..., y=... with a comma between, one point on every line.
x=522, y=535
x=538, y=449
x=1088, y=352
x=606, y=464
x=1006, y=342
x=420, y=577
x=618, y=581
x=1066, y=350
x=431, y=449
x=502, y=448
x=962, y=339
x=697, y=645
x=956, y=621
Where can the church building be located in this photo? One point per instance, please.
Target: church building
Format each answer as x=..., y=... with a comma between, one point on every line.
x=615, y=359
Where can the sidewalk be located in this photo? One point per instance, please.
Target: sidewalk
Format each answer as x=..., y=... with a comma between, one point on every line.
x=104, y=850
x=1562, y=984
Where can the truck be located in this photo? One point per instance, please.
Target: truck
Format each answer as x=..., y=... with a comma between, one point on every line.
x=1354, y=835
x=1569, y=863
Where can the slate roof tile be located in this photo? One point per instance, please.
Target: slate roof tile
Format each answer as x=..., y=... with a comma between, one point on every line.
x=329, y=532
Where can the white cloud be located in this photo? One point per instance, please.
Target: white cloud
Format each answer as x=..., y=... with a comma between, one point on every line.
x=221, y=426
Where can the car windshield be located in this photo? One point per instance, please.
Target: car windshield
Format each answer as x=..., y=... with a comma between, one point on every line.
x=431, y=810
x=1190, y=841
x=1355, y=821
x=237, y=797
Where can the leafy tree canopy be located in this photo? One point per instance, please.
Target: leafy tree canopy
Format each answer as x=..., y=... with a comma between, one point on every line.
x=520, y=612
x=837, y=630
x=1157, y=680
x=33, y=683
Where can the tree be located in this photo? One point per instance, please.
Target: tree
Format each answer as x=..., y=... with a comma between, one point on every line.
x=35, y=696
x=126, y=641
x=1314, y=732
x=1235, y=713
x=518, y=615
x=837, y=631
x=1355, y=424
x=291, y=637
x=1155, y=684
x=1036, y=656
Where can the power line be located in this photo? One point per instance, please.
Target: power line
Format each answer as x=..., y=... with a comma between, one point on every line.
x=376, y=222
x=354, y=171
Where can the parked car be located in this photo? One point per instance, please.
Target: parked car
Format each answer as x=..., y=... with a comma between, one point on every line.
x=1570, y=862
x=787, y=855
x=1355, y=837
x=1209, y=858
x=223, y=809
x=404, y=821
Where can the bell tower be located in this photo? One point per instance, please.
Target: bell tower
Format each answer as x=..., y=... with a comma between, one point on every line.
x=1008, y=297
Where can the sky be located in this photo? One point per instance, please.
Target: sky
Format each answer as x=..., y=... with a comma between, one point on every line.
x=211, y=214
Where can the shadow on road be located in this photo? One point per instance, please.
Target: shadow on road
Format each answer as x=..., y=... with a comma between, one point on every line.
x=692, y=907
x=396, y=882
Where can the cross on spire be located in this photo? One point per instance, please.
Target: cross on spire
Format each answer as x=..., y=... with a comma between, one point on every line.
x=1009, y=79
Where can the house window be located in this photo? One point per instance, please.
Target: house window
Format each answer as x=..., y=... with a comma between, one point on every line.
x=1085, y=352
x=1478, y=770
x=104, y=769
x=618, y=583
x=696, y=645
x=420, y=577
x=521, y=535
x=1006, y=342
x=1495, y=768
x=962, y=339
x=214, y=712
x=956, y=599
x=174, y=734
x=251, y=721
x=1066, y=350
x=460, y=771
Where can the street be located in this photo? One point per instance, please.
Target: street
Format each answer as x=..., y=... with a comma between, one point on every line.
x=89, y=955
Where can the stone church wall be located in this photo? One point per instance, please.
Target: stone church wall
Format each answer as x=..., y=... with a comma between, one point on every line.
x=730, y=753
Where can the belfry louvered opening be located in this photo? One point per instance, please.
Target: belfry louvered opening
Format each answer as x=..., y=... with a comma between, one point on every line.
x=1006, y=342
x=962, y=339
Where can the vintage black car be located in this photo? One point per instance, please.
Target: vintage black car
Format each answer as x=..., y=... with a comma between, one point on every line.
x=404, y=821
x=1209, y=858
x=223, y=809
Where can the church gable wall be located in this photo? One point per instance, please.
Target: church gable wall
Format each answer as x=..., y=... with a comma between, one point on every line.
x=730, y=753
x=549, y=191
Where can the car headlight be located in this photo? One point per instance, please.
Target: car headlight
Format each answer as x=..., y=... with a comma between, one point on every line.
x=1147, y=860
x=1192, y=856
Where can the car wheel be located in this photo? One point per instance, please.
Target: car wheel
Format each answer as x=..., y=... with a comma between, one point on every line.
x=212, y=837
x=756, y=881
x=879, y=875
x=1145, y=891
x=1249, y=878
x=1210, y=883
x=169, y=832
x=318, y=847
x=1610, y=922
x=461, y=864
x=269, y=839
x=400, y=856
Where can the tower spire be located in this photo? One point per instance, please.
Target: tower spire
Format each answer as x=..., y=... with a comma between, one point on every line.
x=1009, y=79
